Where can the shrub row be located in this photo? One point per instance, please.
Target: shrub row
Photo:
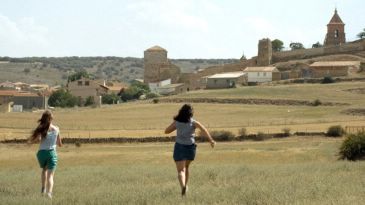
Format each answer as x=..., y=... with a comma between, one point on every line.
x=220, y=135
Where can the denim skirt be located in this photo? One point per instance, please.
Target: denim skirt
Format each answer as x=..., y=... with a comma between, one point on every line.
x=184, y=152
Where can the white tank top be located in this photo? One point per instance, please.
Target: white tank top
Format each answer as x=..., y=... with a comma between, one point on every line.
x=50, y=141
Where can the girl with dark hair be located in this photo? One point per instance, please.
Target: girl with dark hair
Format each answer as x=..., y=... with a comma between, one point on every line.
x=185, y=147
x=49, y=136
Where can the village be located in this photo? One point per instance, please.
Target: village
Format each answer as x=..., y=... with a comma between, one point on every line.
x=335, y=59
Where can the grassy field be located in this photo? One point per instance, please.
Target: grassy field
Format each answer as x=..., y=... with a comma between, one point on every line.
x=286, y=171
x=143, y=119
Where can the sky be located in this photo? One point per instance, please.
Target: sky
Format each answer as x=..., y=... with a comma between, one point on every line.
x=185, y=28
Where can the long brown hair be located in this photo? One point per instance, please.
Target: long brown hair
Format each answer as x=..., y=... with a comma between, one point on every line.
x=43, y=126
x=185, y=113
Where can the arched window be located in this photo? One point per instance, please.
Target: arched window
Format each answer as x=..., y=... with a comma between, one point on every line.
x=336, y=33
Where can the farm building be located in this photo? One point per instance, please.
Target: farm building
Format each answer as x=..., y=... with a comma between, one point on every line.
x=166, y=88
x=225, y=80
x=262, y=74
x=172, y=89
x=84, y=88
x=22, y=100
x=333, y=68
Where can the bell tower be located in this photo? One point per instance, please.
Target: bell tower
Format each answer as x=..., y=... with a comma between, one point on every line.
x=335, y=31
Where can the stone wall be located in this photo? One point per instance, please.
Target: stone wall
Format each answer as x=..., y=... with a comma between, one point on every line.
x=348, y=48
x=320, y=72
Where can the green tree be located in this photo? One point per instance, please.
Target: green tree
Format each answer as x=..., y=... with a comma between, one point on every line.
x=317, y=45
x=141, y=86
x=131, y=93
x=78, y=75
x=89, y=101
x=296, y=46
x=26, y=70
x=277, y=45
x=62, y=98
x=361, y=34
x=110, y=98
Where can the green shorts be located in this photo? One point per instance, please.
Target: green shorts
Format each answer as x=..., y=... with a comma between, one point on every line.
x=47, y=159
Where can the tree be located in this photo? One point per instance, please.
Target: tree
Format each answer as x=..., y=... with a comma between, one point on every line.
x=89, y=101
x=26, y=70
x=62, y=98
x=110, y=98
x=361, y=35
x=141, y=86
x=277, y=45
x=317, y=45
x=296, y=46
x=78, y=75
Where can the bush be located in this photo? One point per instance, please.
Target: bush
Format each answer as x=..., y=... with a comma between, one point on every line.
x=260, y=136
x=286, y=132
x=110, y=98
x=62, y=98
x=327, y=80
x=316, y=102
x=151, y=95
x=155, y=100
x=222, y=135
x=353, y=147
x=89, y=101
x=78, y=144
x=335, y=131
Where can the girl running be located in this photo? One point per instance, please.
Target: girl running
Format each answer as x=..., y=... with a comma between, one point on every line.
x=48, y=135
x=185, y=147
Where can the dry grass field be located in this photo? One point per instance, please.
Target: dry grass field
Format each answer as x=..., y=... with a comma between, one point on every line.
x=297, y=171
x=143, y=119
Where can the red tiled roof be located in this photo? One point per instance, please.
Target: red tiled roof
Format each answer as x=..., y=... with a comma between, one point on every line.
x=16, y=93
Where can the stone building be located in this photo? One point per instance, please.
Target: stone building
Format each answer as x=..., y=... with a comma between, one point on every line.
x=335, y=31
x=262, y=74
x=157, y=66
x=84, y=88
x=226, y=80
x=333, y=68
x=264, y=52
x=25, y=100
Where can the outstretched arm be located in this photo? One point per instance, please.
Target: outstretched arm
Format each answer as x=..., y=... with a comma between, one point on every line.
x=170, y=128
x=205, y=133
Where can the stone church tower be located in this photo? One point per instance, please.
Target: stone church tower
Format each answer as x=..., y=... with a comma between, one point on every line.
x=264, y=56
x=335, y=31
x=156, y=64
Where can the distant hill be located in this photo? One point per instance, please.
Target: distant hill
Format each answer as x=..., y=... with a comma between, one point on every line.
x=55, y=70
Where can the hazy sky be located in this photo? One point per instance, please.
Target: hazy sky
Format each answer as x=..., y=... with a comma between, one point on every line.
x=186, y=28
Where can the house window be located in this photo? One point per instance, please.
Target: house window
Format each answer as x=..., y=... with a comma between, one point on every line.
x=336, y=33
x=258, y=74
x=79, y=83
x=87, y=83
x=215, y=81
x=264, y=74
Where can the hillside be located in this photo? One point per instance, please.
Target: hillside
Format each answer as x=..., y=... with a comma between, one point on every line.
x=55, y=70
x=304, y=63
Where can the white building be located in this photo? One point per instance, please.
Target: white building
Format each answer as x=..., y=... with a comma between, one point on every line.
x=156, y=85
x=225, y=80
x=262, y=74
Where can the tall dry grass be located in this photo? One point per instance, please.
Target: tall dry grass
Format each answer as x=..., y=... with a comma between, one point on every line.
x=286, y=171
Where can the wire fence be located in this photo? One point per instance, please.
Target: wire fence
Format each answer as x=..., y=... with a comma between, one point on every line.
x=354, y=129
